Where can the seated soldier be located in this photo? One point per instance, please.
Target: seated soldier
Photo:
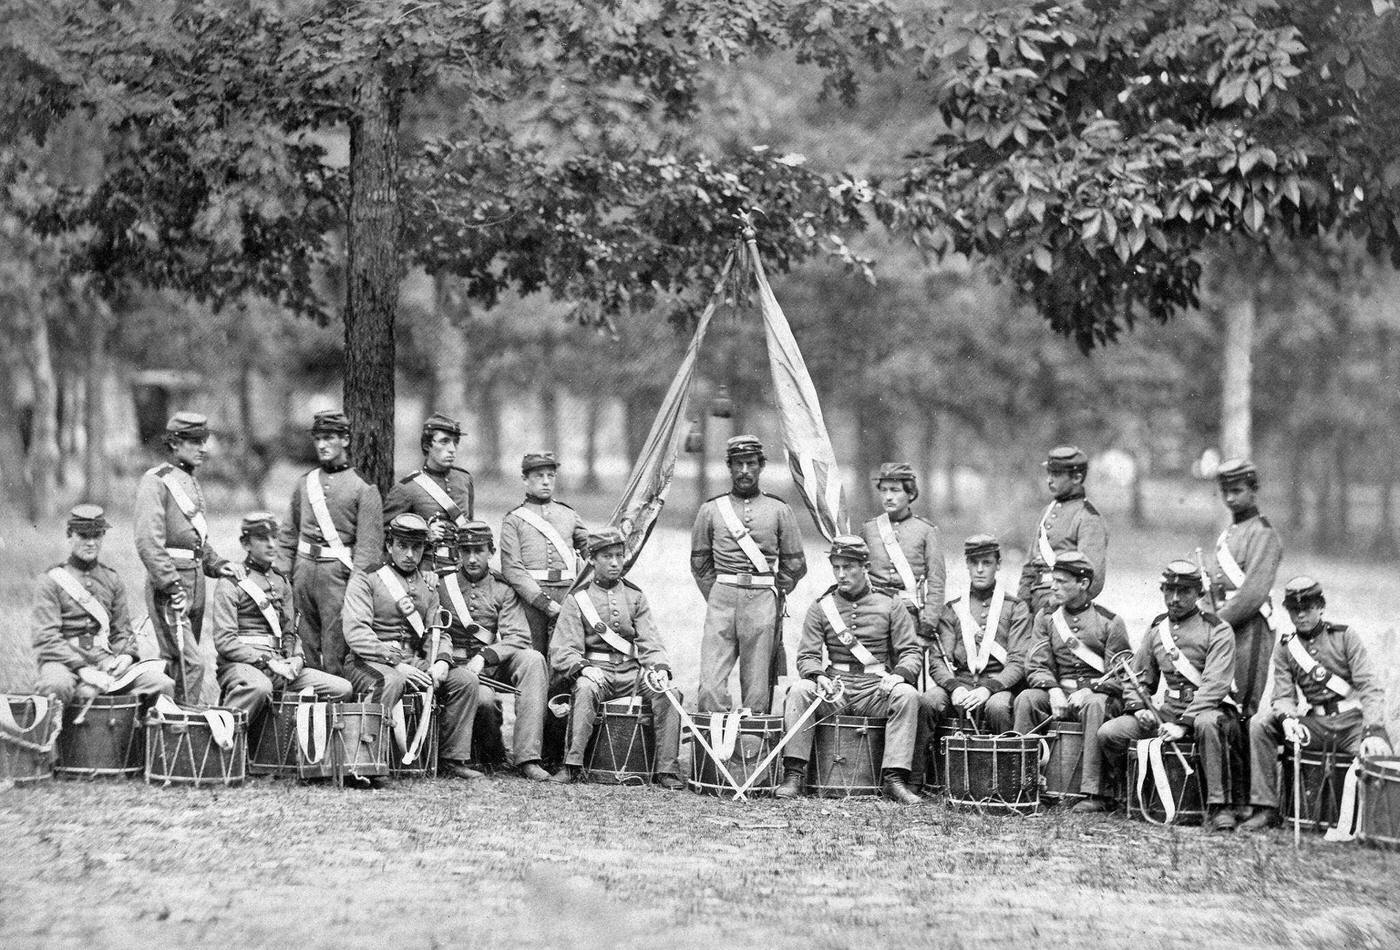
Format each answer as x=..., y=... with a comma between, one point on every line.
x=82, y=637
x=255, y=635
x=974, y=670
x=490, y=636
x=389, y=617
x=1327, y=695
x=1195, y=652
x=1072, y=640
x=614, y=657
x=864, y=641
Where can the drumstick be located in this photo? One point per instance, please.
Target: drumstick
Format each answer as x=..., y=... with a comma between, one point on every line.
x=689, y=723
x=782, y=743
x=81, y=717
x=497, y=685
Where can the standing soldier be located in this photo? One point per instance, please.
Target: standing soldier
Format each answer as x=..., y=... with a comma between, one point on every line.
x=386, y=616
x=979, y=662
x=1247, y=555
x=1069, y=523
x=607, y=645
x=255, y=633
x=490, y=636
x=172, y=539
x=82, y=628
x=335, y=527
x=440, y=493
x=906, y=560
x=1328, y=694
x=1195, y=653
x=1072, y=642
x=746, y=555
x=864, y=640
x=539, y=541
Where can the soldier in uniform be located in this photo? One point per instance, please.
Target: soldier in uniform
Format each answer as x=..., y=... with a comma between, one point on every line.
x=1247, y=556
x=865, y=641
x=388, y=615
x=491, y=637
x=82, y=627
x=172, y=539
x=255, y=631
x=1195, y=653
x=540, y=543
x=440, y=493
x=607, y=645
x=1328, y=694
x=979, y=662
x=335, y=527
x=1070, y=523
x=906, y=560
x=746, y=556
x=1072, y=641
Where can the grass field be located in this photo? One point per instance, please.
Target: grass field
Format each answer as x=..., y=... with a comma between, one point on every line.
x=503, y=863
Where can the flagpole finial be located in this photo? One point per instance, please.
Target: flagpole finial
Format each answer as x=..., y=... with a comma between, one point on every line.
x=745, y=218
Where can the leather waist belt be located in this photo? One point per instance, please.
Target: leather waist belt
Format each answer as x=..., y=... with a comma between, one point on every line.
x=181, y=554
x=606, y=656
x=1185, y=693
x=1069, y=682
x=554, y=575
x=461, y=653
x=748, y=580
x=264, y=640
x=322, y=552
x=1335, y=708
x=874, y=669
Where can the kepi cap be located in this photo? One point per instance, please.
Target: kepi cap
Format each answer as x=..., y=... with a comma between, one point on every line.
x=408, y=527
x=332, y=421
x=850, y=546
x=188, y=425
x=604, y=538
x=438, y=422
x=534, y=460
x=980, y=544
x=1237, y=470
x=258, y=524
x=896, y=472
x=1075, y=564
x=475, y=534
x=1182, y=573
x=1301, y=591
x=742, y=446
x=1066, y=458
x=87, y=520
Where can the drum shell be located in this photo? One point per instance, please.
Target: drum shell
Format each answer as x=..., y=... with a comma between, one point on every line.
x=952, y=723
x=424, y=765
x=1322, y=776
x=758, y=736
x=846, y=755
x=29, y=757
x=111, y=742
x=622, y=750
x=1064, y=766
x=1378, y=794
x=1188, y=790
x=357, y=737
x=993, y=773
x=180, y=750
x=272, y=746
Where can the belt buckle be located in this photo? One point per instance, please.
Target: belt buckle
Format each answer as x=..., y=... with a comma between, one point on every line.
x=554, y=575
x=85, y=640
x=745, y=578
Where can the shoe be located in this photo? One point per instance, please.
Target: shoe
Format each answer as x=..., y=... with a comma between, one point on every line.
x=364, y=782
x=1093, y=805
x=791, y=786
x=534, y=772
x=897, y=791
x=564, y=776
x=673, y=783
x=1222, y=819
x=1263, y=818
x=459, y=770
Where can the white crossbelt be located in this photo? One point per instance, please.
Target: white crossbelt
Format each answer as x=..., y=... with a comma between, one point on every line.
x=609, y=636
x=1235, y=575
x=1149, y=759
x=1307, y=663
x=1042, y=538
x=264, y=605
x=899, y=559
x=1080, y=649
x=334, y=547
x=186, y=505
x=1183, y=666
x=85, y=600
x=979, y=652
x=742, y=535
x=459, y=604
x=848, y=640
x=444, y=500
x=556, y=541
x=402, y=600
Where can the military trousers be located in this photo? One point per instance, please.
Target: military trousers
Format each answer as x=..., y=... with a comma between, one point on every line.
x=177, y=634
x=244, y=686
x=527, y=671
x=995, y=716
x=1340, y=733
x=541, y=623
x=622, y=679
x=1213, y=731
x=456, y=698
x=1254, y=653
x=318, y=593
x=1033, y=709
x=61, y=683
x=740, y=624
x=862, y=697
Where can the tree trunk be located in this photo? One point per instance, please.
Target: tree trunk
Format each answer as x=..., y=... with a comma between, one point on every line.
x=13, y=477
x=1343, y=525
x=489, y=465
x=640, y=407
x=97, y=470
x=374, y=273
x=549, y=417
x=43, y=456
x=702, y=458
x=1137, y=512
x=449, y=352
x=1236, y=375
x=592, y=421
x=928, y=456
x=1297, y=484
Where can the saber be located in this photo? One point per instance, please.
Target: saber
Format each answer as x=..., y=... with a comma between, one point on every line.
x=796, y=728
x=1141, y=690
x=1297, y=793
x=669, y=693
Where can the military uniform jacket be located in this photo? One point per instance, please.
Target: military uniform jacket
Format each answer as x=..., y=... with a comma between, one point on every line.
x=407, y=495
x=1204, y=642
x=1256, y=548
x=356, y=512
x=375, y=628
x=1072, y=523
x=524, y=549
x=493, y=604
x=66, y=633
x=1051, y=659
x=1339, y=649
x=160, y=524
x=241, y=631
x=771, y=523
x=624, y=609
x=1013, y=632
x=918, y=539
x=880, y=622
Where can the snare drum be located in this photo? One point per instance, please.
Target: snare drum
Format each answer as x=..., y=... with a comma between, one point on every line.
x=993, y=773
x=423, y=762
x=272, y=746
x=741, y=741
x=1322, y=778
x=846, y=756
x=1064, y=762
x=29, y=729
x=335, y=740
x=108, y=743
x=183, y=748
x=952, y=723
x=623, y=748
x=1379, y=791
x=1185, y=794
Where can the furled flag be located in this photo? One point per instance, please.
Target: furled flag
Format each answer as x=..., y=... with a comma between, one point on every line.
x=808, y=447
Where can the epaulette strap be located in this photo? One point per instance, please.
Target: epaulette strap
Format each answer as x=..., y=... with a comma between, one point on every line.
x=1105, y=612
x=1089, y=507
x=628, y=583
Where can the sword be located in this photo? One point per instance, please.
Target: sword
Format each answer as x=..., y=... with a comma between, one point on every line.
x=796, y=728
x=1142, y=693
x=689, y=723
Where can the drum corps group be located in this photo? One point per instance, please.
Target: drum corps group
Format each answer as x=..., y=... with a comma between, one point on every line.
x=352, y=599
